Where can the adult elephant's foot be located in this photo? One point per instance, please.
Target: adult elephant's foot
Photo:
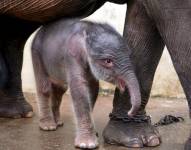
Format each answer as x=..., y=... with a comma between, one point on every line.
x=14, y=107
x=134, y=133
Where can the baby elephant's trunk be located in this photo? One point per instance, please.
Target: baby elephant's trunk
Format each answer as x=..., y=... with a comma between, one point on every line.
x=135, y=95
x=130, y=81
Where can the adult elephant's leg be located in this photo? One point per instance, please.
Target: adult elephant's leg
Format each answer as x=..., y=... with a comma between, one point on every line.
x=12, y=101
x=147, y=47
x=175, y=28
x=177, y=37
x=3, y=70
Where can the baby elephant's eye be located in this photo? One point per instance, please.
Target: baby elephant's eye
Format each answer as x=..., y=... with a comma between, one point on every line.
x=108, y=63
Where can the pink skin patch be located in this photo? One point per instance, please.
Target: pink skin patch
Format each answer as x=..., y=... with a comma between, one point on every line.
x=121, y=84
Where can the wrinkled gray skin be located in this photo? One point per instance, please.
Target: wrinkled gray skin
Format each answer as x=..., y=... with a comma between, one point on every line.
x=150, y=25
x=76, y=54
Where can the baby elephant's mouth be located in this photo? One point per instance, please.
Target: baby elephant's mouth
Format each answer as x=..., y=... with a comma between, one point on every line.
x=121, y=84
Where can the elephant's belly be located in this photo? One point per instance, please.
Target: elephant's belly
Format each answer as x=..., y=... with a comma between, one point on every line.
x=42, y=10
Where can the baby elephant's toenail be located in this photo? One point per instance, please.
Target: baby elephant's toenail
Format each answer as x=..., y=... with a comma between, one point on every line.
x=82, y=145
x=91, y=145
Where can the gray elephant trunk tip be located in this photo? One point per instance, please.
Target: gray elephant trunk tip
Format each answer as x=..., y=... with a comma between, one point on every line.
x=133, y=110
x=135, y=104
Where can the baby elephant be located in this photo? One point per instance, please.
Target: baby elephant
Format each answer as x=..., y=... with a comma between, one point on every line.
x=75, y=54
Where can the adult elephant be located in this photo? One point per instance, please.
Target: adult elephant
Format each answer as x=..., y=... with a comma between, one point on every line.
x=150, y=25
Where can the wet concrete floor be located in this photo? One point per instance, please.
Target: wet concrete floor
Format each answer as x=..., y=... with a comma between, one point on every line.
x=24, y=134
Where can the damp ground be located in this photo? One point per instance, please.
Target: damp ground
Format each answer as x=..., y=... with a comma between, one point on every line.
x=24, y=134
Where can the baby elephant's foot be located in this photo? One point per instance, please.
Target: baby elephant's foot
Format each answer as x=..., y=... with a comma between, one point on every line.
x=59, y=123
x=86, y=141
x=47, y=124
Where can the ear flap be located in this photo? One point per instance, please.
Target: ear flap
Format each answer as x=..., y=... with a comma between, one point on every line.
x=76, y=44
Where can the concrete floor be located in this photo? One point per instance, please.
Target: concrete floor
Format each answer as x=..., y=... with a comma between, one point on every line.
x=24, y=134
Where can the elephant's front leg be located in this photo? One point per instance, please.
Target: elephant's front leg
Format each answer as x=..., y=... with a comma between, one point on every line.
x=86, y=135
x=147, y=46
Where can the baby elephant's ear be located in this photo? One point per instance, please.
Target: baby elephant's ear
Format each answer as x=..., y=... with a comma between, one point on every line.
x=77, y=45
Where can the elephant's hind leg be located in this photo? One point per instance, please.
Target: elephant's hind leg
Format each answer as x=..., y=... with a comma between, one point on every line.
x=12, y=101
x=57, y=93
x=176, y=33
x=13, y=35
x=45, y=94
x=3, y=70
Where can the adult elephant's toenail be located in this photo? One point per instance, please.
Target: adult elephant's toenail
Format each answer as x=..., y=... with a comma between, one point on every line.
x=153, y=141
x=135, y=143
